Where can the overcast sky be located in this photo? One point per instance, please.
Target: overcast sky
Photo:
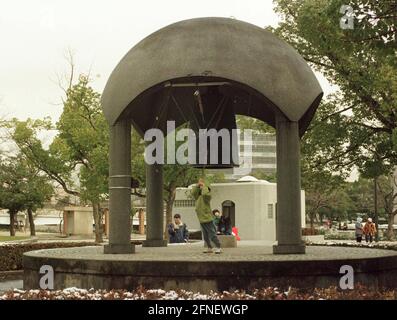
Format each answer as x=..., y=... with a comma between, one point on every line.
x=35, y=35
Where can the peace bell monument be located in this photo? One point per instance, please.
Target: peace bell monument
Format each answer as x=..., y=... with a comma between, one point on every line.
x=204, y=72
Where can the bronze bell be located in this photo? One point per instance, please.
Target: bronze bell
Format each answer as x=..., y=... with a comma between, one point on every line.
x=213, y=121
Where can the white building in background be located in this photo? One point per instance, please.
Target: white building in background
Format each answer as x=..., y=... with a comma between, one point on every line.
x=260, y=149
x=250, y=203
x=263, y=151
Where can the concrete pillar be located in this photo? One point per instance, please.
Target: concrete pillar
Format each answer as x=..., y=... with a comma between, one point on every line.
x=154, y=207
x=65, y=223
x=106, y=215
x=120, y=189
x=141, y=217
x=289, y=239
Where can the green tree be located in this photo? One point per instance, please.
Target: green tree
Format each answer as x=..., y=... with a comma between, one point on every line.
x=81, y=145
x=48, y=160
x=177, y=175
x=356, y=127
x=324, y=195
x=83, y=142
x=22, y=187
x=362, y=118
x=245, y=122
x=361, y=193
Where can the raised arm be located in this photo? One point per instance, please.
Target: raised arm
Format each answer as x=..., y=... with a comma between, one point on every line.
x=195, y=192
x=206, y=193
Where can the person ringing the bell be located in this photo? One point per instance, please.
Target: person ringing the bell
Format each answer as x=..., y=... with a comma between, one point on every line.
x=202, y=195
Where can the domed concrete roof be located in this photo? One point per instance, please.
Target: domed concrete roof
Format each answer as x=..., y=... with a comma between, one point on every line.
x=247, y=179
x=266, y=73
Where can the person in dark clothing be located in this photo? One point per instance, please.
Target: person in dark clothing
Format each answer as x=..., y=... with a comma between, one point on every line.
x=224, y=226
x=222, y=223
x=177, y=231
x=217, y=218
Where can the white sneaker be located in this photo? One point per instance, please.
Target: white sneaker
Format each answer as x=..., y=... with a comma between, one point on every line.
x=208, y=250
x=218, y=250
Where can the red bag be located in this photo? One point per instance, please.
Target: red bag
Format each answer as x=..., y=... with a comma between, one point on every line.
x=235, y=233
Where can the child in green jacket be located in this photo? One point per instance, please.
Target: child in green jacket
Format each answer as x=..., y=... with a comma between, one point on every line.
x=202, y=194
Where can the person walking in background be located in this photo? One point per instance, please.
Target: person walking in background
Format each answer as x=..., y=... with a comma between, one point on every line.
x=359, y=230
x=202, y=195
x=369, y=230
x=177, y=230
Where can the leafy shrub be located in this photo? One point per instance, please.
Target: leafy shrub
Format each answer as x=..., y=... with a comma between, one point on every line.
x=312, y=232
x=373, y=245
x=11, y=254
x=340, y=236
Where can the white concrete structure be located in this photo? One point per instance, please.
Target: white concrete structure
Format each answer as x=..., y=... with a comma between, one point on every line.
x=251, y=204
x=78, y=221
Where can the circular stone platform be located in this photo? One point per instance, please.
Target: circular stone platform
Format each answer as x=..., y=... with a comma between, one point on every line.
x=186, y=267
